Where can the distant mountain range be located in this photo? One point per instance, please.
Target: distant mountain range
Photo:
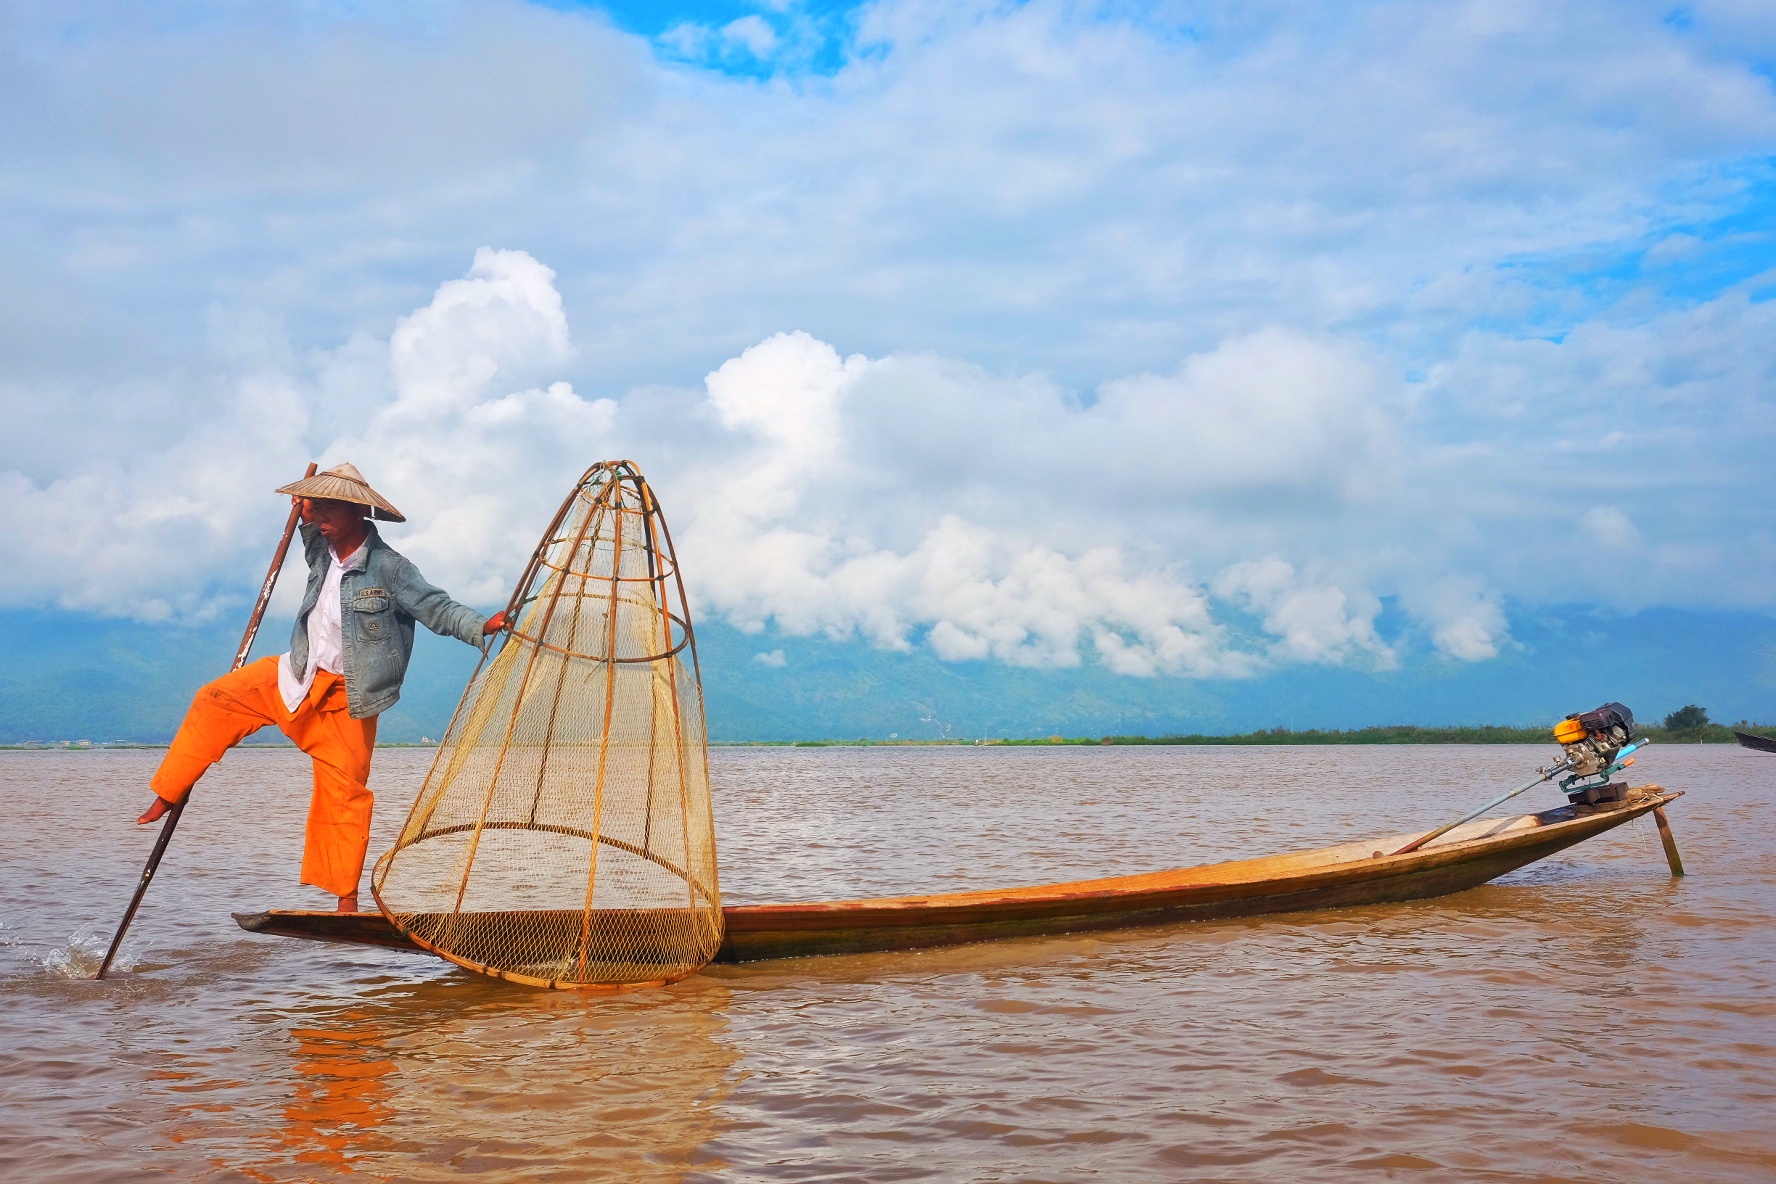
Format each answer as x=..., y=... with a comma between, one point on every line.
x=67, y=676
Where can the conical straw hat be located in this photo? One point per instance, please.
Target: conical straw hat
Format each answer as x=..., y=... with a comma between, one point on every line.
x=344, y=483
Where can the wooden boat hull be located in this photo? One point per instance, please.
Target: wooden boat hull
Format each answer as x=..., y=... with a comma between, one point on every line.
x=1329, y=877
x=1760, y=743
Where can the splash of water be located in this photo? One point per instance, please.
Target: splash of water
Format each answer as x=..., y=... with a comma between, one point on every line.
x=84, y=951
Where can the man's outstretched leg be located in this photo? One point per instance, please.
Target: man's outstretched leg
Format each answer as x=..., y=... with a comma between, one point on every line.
x=222, y=714
x=339, y=811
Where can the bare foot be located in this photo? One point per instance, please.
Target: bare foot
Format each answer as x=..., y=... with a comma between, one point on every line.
x=347, y=904
x=159, y=808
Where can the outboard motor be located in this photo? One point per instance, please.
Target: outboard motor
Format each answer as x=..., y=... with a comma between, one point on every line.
x=1598, y=745
x=1594, y=742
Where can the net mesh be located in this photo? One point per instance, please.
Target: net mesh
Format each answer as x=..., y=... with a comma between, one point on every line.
x=564, y=836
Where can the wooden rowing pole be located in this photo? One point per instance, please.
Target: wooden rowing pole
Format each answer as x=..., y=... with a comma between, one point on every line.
x=178, y=808
x=1421, y=840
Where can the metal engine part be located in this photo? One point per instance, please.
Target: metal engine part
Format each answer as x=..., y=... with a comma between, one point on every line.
x=1607, y=730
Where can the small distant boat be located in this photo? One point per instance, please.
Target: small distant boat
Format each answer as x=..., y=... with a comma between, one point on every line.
x=1761, y=743
x=1328, y=877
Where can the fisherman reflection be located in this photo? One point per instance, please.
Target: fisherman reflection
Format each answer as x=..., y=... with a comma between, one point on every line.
x=343, y=1089
x=452, y=1076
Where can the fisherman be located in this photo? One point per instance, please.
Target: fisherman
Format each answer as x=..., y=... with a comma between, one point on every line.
x=348, y=655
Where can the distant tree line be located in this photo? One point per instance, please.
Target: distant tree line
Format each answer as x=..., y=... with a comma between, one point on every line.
x=1687, y=725
x=1686, y=730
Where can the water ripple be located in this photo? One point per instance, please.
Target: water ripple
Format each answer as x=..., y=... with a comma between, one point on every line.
x=1584, y=1018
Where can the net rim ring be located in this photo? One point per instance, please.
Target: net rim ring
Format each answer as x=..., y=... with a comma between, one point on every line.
x=714, y=898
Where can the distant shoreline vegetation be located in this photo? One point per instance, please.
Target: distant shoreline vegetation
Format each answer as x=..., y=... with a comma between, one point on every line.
x=1393, y=734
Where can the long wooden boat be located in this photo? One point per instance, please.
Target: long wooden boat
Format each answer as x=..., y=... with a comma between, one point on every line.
x=1328, y=877
x=1761, y=743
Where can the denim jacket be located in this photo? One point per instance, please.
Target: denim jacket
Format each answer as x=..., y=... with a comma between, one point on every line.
x=378, y=604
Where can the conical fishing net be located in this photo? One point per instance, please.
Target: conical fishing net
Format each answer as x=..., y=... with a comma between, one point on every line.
x=564, y=836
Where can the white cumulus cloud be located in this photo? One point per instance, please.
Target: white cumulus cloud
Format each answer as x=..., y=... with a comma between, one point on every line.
x=1312, y=621
x=1023, y=319
x=909, y=500
x=464, y=437
x=773, y=547
x=446, y=430
x=1466, y=621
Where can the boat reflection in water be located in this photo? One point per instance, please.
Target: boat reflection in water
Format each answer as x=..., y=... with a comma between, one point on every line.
x=447, y=1077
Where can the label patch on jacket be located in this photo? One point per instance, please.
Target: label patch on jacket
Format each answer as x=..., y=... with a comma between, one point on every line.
x=368, y=592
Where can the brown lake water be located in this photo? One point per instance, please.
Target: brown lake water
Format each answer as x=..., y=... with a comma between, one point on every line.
x=1586, y=1018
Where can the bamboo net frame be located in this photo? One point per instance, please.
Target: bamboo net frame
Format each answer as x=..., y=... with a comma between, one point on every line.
x=565, y=835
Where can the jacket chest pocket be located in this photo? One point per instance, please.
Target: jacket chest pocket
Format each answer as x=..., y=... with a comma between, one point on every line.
x=370, y=609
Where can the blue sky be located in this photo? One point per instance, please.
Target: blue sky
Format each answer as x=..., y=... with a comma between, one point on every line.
x=744, y=40
x=1181, y=341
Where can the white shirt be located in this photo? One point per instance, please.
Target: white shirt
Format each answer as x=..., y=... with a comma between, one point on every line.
x=326, y=632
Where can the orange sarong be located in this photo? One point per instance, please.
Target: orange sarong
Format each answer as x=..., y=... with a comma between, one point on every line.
x=227, y=711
